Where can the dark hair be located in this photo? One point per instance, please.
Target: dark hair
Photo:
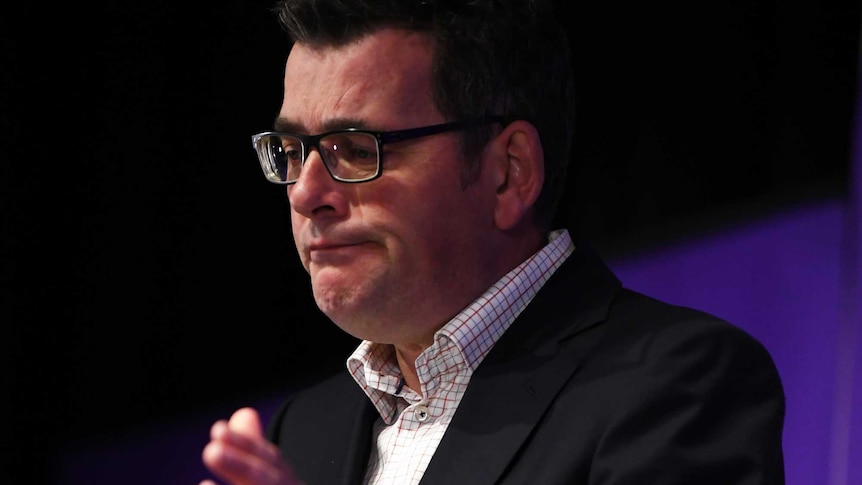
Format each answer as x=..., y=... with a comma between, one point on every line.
x=508, y=57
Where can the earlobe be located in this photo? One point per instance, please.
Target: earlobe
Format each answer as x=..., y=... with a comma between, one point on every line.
x=523, y=173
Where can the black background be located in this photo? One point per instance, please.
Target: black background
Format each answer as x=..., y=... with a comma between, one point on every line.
x=147, y=266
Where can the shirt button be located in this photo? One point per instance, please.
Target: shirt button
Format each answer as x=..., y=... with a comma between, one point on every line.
x=421, y=413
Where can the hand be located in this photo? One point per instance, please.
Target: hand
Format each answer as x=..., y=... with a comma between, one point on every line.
x=239, y=454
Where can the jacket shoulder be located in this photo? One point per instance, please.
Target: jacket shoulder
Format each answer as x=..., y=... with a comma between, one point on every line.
x=322, y=398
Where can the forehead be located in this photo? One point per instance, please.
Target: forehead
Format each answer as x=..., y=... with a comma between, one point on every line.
x=383, y=79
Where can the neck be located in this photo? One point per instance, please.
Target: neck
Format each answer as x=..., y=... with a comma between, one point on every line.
x=406, y=357
x=406, y=354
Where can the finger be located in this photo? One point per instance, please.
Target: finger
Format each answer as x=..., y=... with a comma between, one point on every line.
x=239, y=467
x=246, y=421
x=245, y=441
x=218, y=429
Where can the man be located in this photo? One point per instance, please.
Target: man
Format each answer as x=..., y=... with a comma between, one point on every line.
x=423, y=145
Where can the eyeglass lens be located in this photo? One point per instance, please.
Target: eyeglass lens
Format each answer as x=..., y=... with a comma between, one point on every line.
x=348, y=155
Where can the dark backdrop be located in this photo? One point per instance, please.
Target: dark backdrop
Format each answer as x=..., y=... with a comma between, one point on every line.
x=147, y=267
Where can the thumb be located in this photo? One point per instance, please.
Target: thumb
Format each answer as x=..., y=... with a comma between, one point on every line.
x=246, y=421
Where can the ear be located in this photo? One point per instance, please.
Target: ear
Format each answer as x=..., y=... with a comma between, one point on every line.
x=519, y=173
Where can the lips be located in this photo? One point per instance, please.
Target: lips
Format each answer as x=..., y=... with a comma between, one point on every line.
x=330, y=246
x=333, y=252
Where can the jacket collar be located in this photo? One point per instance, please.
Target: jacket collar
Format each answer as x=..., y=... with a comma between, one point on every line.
x=526, y=369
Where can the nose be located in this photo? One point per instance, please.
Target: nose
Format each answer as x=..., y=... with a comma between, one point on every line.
x=315, y=193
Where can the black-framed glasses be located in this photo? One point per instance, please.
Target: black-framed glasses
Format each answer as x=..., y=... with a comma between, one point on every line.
x=350, y=155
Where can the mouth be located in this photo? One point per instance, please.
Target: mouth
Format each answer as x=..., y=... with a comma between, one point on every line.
x=335, y=252
x=330, y=247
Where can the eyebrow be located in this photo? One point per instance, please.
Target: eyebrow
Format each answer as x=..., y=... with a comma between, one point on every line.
x=290, y=126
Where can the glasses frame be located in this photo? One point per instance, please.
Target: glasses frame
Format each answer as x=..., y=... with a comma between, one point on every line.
x=382, y=137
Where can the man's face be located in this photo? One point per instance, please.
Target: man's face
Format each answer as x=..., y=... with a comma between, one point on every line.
x=393, y=259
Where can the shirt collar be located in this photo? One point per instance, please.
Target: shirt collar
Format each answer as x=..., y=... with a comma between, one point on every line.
x=467, y=338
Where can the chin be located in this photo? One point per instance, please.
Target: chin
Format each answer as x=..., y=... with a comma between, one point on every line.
x=344, y=294
x=338, y=304
x=350, y=312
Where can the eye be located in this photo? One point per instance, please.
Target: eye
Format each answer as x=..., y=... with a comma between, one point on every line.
x=361, y=153
x=292, y=151
x=352, y=147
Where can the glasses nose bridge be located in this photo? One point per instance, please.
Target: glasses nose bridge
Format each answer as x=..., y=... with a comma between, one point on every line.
x=313, y=141
x=309, y=142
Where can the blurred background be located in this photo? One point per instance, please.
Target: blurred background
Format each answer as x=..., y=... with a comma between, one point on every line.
x=149, y=281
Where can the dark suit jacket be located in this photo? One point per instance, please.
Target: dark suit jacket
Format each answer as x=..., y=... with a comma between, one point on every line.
x=592, y=384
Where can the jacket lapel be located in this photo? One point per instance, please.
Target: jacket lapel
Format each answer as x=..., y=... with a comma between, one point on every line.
x=519, y=378
x=357, y=443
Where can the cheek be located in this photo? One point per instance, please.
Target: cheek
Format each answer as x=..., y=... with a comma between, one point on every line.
x=295, y=222
x=295, y=226
x=436, y=227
